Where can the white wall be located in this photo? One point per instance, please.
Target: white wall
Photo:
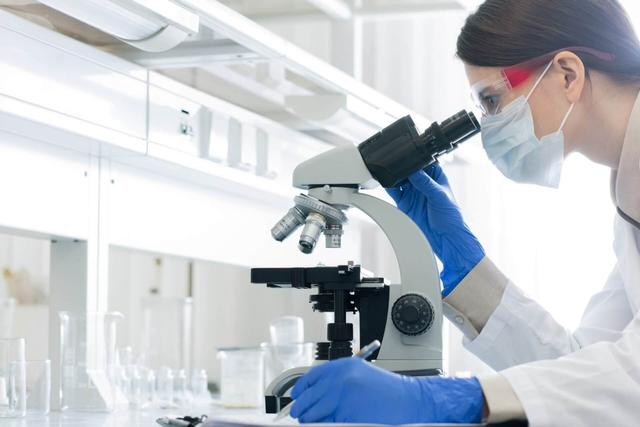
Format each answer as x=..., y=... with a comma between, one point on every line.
x=633, y=9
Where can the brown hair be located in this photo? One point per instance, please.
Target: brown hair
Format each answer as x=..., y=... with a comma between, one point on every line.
x=502, y=33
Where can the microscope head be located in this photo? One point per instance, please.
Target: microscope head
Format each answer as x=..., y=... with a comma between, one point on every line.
x=341, y=166
x=389, y=157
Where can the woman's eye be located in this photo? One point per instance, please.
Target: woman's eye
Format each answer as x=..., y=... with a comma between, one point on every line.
x=490, y=102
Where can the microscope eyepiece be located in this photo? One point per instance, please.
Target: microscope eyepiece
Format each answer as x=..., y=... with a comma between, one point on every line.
x=460, y=127
x=398, y=151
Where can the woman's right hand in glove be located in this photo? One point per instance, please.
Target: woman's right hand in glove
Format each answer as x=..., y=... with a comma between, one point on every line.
x=427, y=199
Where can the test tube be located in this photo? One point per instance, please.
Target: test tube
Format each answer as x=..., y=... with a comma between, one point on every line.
x=135, y=397
x=165, y=387
x=199, y=384
x=182, y=394
x=149, y=391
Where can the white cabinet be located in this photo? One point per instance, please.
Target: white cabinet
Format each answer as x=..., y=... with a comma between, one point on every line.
x=174, y=121
x=211, y=130
x=45, y=188
x=171, y=169
x=45, y=75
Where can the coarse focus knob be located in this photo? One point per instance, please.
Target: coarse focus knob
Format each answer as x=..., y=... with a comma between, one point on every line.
x=412, y=314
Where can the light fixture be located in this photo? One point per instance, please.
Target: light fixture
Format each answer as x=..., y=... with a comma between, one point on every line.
x=150, y=25
x=337, y=9
x=348, y=117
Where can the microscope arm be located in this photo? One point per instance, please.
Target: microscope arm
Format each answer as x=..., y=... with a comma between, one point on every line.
x=418, y=269
x=418, y=273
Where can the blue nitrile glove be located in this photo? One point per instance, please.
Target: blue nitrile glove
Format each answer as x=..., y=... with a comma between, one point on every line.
x=427, y=199
x=352, y=390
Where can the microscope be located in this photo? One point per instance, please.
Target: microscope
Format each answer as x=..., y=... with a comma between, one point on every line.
x=405, y=317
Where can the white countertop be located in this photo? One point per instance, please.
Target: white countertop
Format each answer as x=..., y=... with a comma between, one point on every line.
x=148, y=418
x=139, y=418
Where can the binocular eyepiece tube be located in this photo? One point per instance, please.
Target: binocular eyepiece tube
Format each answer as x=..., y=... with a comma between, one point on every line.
x=398, y=151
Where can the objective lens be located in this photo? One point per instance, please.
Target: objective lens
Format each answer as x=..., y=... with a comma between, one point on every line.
x=311, y=232
x=288, y=224
x=333, y=236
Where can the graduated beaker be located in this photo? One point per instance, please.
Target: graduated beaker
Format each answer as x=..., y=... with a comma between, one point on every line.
x=13, y=402
x=87, y=353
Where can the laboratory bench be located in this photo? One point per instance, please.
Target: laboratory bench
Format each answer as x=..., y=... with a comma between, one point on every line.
x=148, y=418
x=127, y=418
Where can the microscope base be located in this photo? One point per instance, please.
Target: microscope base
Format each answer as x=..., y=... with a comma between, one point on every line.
x=275, y=399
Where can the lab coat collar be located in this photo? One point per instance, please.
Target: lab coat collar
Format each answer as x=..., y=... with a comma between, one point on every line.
x=625, y=182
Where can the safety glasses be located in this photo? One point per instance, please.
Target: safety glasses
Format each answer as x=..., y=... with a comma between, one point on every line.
x=491, y=94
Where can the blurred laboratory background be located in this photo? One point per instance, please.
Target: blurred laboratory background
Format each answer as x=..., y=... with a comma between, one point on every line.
x=188, y=212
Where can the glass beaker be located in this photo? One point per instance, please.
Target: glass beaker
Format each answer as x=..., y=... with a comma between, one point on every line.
x=12, y=380
x=286, y=330
x=87, y=354
x=281, y=358
x=166, y=333
x=38, y=385
x=242, y=377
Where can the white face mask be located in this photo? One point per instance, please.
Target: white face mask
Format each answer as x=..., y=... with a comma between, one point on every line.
x=511, y=143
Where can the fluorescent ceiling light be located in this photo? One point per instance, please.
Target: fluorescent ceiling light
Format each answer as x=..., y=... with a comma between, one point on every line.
x=337, y=9
x=151, y=25
x=344, y=115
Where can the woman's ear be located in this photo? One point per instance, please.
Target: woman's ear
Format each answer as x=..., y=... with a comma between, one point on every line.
x=573, y=73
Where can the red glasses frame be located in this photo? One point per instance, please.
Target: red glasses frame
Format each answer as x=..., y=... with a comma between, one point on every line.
x=520, y=73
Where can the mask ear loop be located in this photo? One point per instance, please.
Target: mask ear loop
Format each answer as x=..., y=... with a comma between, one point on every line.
x=535, y=86
x=566, y=117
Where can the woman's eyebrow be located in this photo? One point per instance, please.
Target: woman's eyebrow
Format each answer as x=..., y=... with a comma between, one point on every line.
x=487, y=90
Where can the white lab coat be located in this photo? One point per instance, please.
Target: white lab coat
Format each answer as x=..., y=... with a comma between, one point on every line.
x=590, y=377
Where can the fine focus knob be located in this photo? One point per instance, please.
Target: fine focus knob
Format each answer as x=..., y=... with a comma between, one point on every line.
x=412, y=314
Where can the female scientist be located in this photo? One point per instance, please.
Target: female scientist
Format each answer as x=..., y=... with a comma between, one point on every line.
x=552, y=77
